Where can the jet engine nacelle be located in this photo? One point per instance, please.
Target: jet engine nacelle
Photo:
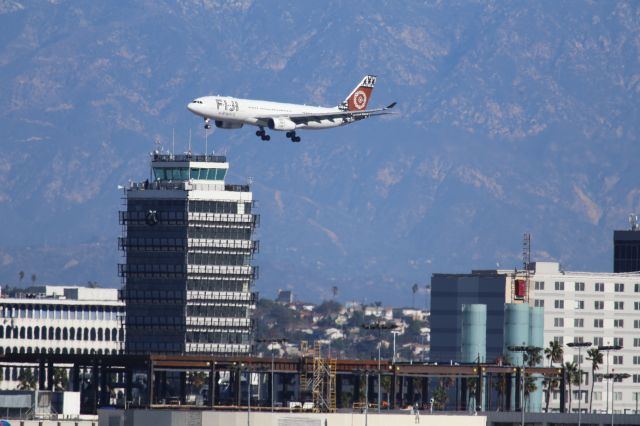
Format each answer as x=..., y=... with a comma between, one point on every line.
x=227, y=124
x=281, y=123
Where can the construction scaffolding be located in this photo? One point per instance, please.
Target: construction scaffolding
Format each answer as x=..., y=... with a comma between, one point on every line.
x=323, y=385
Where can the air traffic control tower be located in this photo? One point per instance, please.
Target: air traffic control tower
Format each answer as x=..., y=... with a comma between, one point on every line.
x=187, y=243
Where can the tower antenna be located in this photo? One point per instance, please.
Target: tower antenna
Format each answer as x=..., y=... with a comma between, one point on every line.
x=173, y=141
x=189, y=142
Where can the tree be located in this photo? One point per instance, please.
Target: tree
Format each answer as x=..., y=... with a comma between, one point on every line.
x=20, y=276
x=533, y=358
x=440, y=394
x=27, y=379
x=197, y=379
x=595, y=356
x=60, y=378
x=551, y=383
x=414, y=289
x=33, y=279
x=554, y=353
x=573, y=377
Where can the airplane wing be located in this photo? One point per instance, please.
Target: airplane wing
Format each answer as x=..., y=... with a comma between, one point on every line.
x=306, y=118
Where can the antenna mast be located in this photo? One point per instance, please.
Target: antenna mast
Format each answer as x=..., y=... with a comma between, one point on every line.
x=526, y=259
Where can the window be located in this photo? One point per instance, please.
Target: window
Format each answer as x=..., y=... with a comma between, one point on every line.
x=578, y=361
x=579, y=304
x=579, y=286
x=617, y=360
x=636, y=288
x=597, y=396
x=599, y=287
x=538, y=303
x=558, y=304
x=617, y=396
x=558, y=322
x=598, y=341
x=618, y=341
x=636, y=360
x=636, y=306
x=619, y=287
x=539, y=285
x=559, y=339
x=560, y=285
x=598, y=304
x=618, y=323
x=598, y=323
x=598, y=378
x=636, y=378
x=618, y=306
x=578, y=322
x=636, y=323
x=577, y=339
x=636, y=342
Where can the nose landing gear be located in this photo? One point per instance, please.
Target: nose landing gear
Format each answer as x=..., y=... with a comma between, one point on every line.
x=207, y=126
x=263, y=135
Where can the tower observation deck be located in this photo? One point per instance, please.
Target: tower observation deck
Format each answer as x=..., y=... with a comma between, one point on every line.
x=187, y=242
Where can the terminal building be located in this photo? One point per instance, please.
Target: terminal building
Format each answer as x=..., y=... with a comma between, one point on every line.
x=601, y=308
x=187, y=277
x=60, y=320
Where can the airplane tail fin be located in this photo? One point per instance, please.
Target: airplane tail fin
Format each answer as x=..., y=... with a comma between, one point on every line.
x=359, y=97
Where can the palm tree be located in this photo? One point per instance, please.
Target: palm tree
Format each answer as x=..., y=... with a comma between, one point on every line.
x=334, y=290
x=595, y=356
x=20, y=277
x=552, y=383
x=33, y=279
x=414, y=289
x=573, y=377
x=554, y=353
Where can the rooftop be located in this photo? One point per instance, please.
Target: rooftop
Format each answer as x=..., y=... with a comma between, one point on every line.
x=184, y=158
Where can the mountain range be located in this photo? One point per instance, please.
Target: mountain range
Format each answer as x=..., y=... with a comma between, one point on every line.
x=513, y=117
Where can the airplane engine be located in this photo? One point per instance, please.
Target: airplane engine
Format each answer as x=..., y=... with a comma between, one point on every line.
x=227, y=125
x=281, y=123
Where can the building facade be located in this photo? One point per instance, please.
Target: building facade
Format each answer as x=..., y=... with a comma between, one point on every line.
x=626, y=250
x=60, y=320
x=188, y=278
x=601, y=308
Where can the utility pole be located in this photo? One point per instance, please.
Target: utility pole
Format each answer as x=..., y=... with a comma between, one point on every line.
x=579, y=345
x=608, y=348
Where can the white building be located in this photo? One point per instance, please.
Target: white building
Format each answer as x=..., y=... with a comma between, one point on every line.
x=59, y=319
x=601, y=308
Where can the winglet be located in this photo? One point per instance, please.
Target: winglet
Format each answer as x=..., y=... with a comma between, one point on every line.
x=391, y=105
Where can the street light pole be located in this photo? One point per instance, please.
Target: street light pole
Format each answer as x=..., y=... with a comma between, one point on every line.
x=617, y=376
x=608, y=348
x=395, y=333
x=579, y=345
x=379, y=326
x=272, y=342
x=528, y=350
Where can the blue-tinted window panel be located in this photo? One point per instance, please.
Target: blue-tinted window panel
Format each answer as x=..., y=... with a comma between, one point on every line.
x=159, y=173
x=184, y=173
x=211, y=174
x=195, y=173
x=221, y=173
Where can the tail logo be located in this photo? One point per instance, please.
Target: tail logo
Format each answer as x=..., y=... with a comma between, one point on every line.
x=360, y=99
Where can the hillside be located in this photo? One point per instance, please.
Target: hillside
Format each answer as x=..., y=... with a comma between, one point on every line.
x=514, y=117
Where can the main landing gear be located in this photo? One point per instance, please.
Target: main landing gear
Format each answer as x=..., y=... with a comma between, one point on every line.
x=293, y=137
x=263, y=135
x=207, y=126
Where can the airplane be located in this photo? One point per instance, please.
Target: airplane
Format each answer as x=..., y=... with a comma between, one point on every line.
x=232, y=113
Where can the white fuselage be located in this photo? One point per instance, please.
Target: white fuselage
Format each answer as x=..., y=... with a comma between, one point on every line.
x=235, y=112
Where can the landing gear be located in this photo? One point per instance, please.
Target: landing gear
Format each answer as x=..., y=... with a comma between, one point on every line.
x=263, y=135
x=207, y=126
x=293, y=137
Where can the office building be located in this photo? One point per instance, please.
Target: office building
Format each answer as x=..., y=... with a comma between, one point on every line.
x=602, y=308
x=188, y=278
x=626, y=247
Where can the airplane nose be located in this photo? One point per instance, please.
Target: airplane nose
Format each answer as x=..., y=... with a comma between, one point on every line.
x=191, y=106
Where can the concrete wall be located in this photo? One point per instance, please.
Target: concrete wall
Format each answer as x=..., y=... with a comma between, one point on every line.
x=225, y=418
